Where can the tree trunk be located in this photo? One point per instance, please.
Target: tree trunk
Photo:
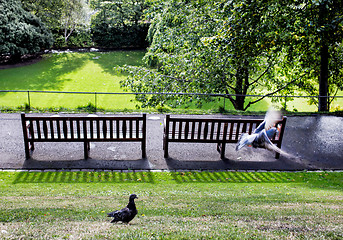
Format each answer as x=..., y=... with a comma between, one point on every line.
x=323, y=79
x=323, y=100
x=242, y=82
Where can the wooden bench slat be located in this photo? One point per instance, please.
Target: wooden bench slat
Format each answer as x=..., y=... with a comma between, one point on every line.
x=130, y=127
x=111, y=129
x=64, y=129
x=52, y=129
x=97, y=124
x=186, y=130
x=218, y=130
x=206, y=130
x=124, y=129
x=117, y=128
x=250, y=128
x=212, y=129
x=237, y=130
x=193, y=130
x=104, y=128
x=199, y=129
x=91, y=127
x=38, y=129
x=45, y=130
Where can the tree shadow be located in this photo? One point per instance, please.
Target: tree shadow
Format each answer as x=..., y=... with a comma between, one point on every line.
x=109, y=60
x=44, y=75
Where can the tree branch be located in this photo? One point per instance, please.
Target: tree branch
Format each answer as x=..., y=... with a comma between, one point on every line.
x=272, y=93
x=265, y=71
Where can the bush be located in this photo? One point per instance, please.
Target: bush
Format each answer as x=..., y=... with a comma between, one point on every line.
x=133, y=36
x=79, y=38
x=21, y=32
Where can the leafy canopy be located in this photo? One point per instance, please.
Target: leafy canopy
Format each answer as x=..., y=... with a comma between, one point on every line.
x=235, y=48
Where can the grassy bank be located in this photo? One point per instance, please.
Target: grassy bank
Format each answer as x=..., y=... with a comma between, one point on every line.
x=172, y=205
x=70, y=72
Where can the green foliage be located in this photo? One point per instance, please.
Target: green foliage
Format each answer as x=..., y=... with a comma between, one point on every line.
x=78, y=39
x=48, y=11
x=210, y=47
x=69, y=20
x=311, y=27
x=236, y=48
x=90, y=108
x=21, y=32
x=119, y=24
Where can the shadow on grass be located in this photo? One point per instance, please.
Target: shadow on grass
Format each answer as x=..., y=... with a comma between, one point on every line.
x=45, y=75
x=237, y=177
x=317, y=180
x=84, y=177
x=109, y=60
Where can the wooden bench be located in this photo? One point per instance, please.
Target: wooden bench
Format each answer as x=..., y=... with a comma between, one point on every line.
x=211, y=130
x=83, y=129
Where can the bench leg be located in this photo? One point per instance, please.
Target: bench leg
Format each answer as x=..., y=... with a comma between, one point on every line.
x=165, y=147
x=27, y=150
x=219, y=147
x=277, y=155
x=143, y=149
x=32, y=148
x=86, y=149
x=222, y=151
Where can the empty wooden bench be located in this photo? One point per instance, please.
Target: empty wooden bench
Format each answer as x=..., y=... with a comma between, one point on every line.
x=83, y=129
x=212, y=130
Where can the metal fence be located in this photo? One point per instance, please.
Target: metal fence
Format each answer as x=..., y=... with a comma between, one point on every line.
x=125, y=100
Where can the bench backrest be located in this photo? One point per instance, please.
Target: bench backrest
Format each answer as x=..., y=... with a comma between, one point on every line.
x=64, y=128
x=212, y=130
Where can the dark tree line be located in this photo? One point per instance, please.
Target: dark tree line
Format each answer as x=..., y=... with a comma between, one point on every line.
x=30, y=26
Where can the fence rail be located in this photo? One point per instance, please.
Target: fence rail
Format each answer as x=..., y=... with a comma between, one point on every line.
x=96, y=94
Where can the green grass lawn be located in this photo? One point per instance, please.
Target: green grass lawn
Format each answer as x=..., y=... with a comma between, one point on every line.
x=70, y=72
x=93, y=72
x=172, y=205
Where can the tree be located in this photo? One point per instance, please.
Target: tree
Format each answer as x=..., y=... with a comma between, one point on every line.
x=63, y=17
x=119, y=23
x=229, y=48
x=21, y=32
x=315, y=30
x=74, y=14
x=48, y=11
x=241, y=47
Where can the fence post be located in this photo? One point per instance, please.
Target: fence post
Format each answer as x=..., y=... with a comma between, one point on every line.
x=95, y=99
x=28, y=98
x=224, y=103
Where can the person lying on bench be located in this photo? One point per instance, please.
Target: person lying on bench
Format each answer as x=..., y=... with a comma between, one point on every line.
x=262, y=135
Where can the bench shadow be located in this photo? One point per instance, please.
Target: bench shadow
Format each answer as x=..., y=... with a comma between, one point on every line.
x=90, y=163
x=84, y=177
x=281, y=164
